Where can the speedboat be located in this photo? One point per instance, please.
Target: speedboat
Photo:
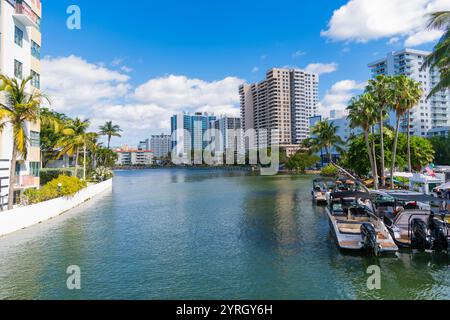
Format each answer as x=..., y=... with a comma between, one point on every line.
x=321, y=187
x=416, y=228
x=355, y=226
x=385, y=201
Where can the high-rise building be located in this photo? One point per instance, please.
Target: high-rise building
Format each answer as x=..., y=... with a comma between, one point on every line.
x=284, y=101
x=231, y=132
x=196, y=125
x=160, y=145
x=144, y=145
x=428, y=114
x=20, y=46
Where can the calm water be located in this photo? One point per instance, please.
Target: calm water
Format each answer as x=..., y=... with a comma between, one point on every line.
x=183, y=234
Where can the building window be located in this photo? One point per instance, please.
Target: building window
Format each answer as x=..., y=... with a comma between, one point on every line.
x=18, y=69
x=35, y=79
x=35, y=50
x=35, y=168
x=35, y=139
x=18, y=37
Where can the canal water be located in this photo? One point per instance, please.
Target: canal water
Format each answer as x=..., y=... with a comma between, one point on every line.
x=205, y=234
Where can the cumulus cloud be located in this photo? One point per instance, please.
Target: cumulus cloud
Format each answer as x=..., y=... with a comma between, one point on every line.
x=322, y=68
x=338, y=96
x=298, y=54
x=80, y=88
x=366, y=20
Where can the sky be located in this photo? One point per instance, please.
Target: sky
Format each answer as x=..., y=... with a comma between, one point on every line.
x=137, y=63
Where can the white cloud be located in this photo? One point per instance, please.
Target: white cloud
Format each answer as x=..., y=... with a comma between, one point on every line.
x=322, y=68
x=255, y=70
x=338, y=96
x=83, y=89
x=423, y=37
x=366, y=20
x=298, y=54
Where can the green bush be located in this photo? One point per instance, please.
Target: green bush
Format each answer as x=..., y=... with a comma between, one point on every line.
x=101, y=174
x=63, y=186
x=329, y=171
x=47, y=175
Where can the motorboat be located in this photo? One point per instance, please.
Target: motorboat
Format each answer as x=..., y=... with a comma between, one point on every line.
x=321, y=187
x=415, y=228
x=385, y=201
x=355, y=224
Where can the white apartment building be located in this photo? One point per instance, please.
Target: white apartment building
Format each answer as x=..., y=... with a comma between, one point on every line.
x=429, y=114
x=20, y=46
x=134, y=157
x=284, y=101
x=232, y=134
x=160, y=145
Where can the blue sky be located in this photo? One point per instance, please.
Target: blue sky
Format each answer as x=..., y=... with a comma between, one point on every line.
x=137, y=42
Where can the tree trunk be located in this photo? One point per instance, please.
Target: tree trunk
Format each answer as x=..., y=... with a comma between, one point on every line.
x=109, y=141
x=84, y=161
x=369, y=151
x=12, y=178
x=409, y=143
x=382, y=162
x=394, y=152
x=76, y=162
x=375, y=166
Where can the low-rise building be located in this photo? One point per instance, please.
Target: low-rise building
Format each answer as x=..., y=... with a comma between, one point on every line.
x=134, y=157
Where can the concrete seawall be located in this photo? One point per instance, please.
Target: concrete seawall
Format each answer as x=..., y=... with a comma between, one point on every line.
x=24, y=217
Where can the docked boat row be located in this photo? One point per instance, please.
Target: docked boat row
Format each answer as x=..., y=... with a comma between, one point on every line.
x=383, y=221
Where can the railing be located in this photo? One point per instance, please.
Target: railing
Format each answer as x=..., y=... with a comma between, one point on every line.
x=23, y=8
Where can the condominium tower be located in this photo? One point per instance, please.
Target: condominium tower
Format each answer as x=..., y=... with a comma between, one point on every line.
x=20, y=46
x=160, y=145
x=231, y=132
x=428, y=114
x=284, y=101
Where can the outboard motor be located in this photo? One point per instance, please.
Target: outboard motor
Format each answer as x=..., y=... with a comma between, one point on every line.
x=369, y=237
x=420, y=238
x=438, y=231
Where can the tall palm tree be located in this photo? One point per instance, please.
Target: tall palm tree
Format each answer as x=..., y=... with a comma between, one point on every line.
x=363, y=114
x=20, y=108
x=440, y=58
x=325, y=137
x=381, y=90
x=110, y=130
x=74, y=138
x=407, y=93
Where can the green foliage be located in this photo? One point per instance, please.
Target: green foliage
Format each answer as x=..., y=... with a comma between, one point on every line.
x=106, y=157
x=63, y=186
x=302, y=160
x=329, y=171
x=442, y=147
x=101, y=174
x=356, y=159
x=325, y=137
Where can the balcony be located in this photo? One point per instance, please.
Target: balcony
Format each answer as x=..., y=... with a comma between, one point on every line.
x=24, y=182
x=25, y=15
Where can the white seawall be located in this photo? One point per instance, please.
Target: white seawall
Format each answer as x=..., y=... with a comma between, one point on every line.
x=24, y=217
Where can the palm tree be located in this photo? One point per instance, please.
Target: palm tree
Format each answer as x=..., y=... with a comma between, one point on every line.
x=20, y=108
x=407, y=94
x=381, y=90
x=363, y=114
x=325, y=137
x=440, y=58
x=110, y=130
x=74, y=138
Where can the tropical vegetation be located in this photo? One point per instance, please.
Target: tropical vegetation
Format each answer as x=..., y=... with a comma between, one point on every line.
x=301, y=161
x=110, y=130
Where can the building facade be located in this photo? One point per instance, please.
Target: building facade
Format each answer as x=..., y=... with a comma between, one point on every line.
x=196, y=126
x=20, y=47
x=231, y=134
x=144, y=145
x=428, y=114
x=160, y=145
x=134, y=157
x=284, y=101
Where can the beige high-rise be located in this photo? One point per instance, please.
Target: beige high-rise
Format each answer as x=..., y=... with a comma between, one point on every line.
x=284, y=101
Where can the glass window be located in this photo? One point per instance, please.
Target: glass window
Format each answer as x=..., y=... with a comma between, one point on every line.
x=18, y=69
x=35, y=139
x=35, y=168
x=36, y=79
x=35, y=50
x=18, y=37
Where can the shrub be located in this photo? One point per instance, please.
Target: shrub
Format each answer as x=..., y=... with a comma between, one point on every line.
x=63, y=186
x=102, y=174
x=329, y=171
x=47, y=175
